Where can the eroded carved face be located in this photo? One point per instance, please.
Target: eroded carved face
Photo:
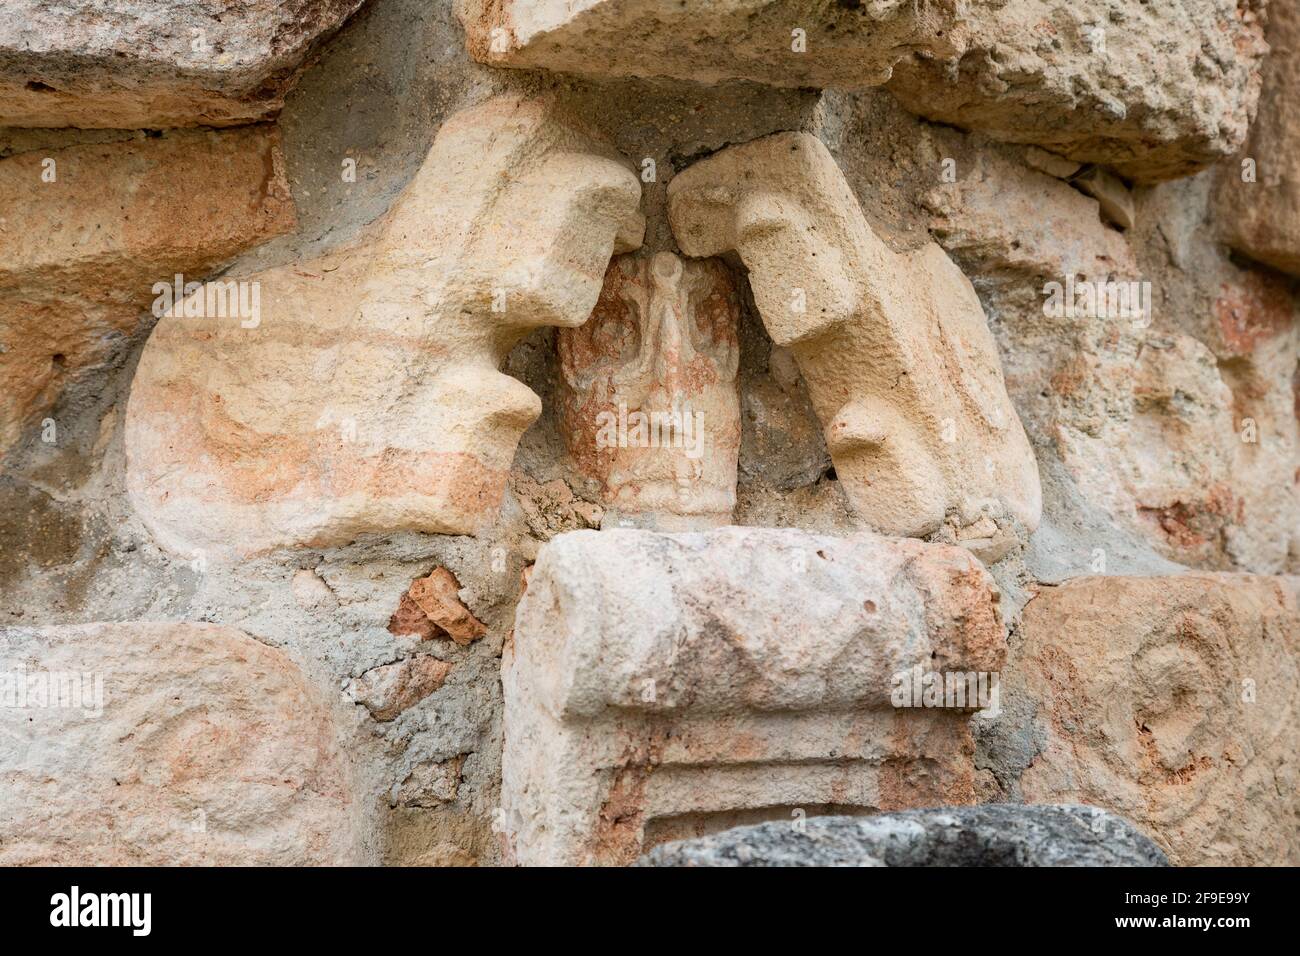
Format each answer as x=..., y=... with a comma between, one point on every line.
x=650, y=406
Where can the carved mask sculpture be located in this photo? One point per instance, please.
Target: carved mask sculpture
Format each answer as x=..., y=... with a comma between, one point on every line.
x=650, y=406
x=368, y=399
x=894, y=347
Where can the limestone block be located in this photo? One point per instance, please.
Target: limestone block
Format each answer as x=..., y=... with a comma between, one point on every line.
x=161, y=744
x=367, y=398
x=650, y=408
x=155, y=63
x=662, y=685
x=88, y=230
x=708, y=41
x=895, y=349
x=1170, y=701
x=1258, y=201
x=1162, y=464
x=991, y=835
x=1155, y=90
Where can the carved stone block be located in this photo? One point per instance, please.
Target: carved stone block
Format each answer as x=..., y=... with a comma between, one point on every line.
x=899, y=361
x=1170, y=701
x=661, y=686
x=650, y=406
x=366, y=397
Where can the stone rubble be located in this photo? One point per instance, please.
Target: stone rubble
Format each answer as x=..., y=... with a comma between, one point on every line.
x=993, y=835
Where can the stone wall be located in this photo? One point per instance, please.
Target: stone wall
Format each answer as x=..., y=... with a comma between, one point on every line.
x=488, y=432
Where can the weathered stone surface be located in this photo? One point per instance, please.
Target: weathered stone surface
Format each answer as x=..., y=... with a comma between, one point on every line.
x=1156, y=91
x=210, y=749
x=1050, y=163
x=650, y=407
x=430, y=784
x=1112, y=195
x=1150, y=411
x=1259, y=192
x=1170, y=701
x=389, y=689
x=368, y=398
x=87, y=231
x=1014, y=230
x=708, y=41
x=1163, y=463
x=899, y=361
x=155, y=63
x=658, y=684
x=991, y=835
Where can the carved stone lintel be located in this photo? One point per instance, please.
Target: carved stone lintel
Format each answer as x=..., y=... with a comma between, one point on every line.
x=660, y=685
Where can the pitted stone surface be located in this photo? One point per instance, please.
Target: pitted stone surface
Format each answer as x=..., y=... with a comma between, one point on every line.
x=209, y=748
x=1259, y=191
x=88, y=230
x=1155, y=90
x=992, y=835
x=155, y=63
x=900, y=364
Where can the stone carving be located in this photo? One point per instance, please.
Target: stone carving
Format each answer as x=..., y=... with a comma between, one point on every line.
x=659, y=686
x=898, y=358
x=367, y=397
x=87, y=231
x=169, y=744
x=1157, y=92
x=1170, y=701
x=650, y=407
x=155, y=63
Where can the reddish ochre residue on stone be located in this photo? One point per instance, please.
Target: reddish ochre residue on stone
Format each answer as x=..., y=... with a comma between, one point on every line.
x=1258, y=308
x=1190, y=524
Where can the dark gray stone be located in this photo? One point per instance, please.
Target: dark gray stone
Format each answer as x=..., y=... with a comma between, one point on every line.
x=991, y=835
